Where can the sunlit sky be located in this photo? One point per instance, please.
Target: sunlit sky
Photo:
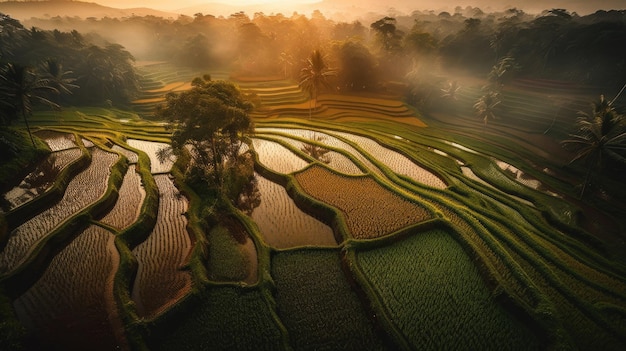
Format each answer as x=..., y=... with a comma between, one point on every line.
x=176, y=4
x=575, y=5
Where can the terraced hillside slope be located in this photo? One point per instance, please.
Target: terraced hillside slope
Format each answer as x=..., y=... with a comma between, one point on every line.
x=375, y=227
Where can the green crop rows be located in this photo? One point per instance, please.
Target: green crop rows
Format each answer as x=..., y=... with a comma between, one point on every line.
x=435, y=245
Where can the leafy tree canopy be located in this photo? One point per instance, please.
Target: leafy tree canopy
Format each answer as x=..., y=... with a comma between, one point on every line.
x=210, y=121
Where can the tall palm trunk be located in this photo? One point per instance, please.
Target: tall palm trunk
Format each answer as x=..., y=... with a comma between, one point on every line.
x=30, y=134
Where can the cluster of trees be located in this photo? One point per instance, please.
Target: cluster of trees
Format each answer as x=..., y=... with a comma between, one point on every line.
x=555, y=44
x=57, y=67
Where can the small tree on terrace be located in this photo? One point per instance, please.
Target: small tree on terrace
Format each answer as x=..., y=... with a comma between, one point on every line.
x=212, y=119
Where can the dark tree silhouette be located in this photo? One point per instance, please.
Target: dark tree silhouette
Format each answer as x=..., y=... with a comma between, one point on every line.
x=20, y=87
x=314, y=76
x=600, y=138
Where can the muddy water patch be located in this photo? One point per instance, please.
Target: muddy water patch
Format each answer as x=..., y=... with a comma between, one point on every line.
x=131, y=156
x=83, y=190
x=284, y=225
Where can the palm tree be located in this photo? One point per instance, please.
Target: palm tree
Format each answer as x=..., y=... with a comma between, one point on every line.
x=21, y=86
x=286, y=60
x=451, y=90
x=56, y=76
x=485, y=106
x=600, y=134
x=314, y=76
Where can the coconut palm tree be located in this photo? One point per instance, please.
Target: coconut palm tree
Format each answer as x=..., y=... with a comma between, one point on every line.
x=21, y=86
x=451, y=90
x=286, y=60
x=314, y=76
x=485, y=106
x=600, y=135
x=57, y=77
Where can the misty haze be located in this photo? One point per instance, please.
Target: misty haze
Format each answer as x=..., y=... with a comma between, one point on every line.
x=306, y=175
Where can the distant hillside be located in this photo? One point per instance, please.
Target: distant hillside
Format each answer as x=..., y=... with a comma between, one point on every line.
x=407, y=6
x=46, y=9
x=351, y=9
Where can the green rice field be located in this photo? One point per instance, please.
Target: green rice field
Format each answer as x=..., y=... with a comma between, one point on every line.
x=413, y=232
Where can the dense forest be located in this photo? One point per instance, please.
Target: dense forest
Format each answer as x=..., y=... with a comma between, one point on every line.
x=555, y=44
x=99, y=53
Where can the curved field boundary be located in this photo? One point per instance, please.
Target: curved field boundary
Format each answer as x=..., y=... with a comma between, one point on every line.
x=485, y=258
x=151, y=148
x=333, y=140
x=125, y=241
x=397, y=162
x=370, y=209
x=317, y=304
x=26, y=211
x=276, y=157
x=42, y=177
x=131, y=156
x=57, y=141
x=283, y=224
x=128, y=205
x=505, y=248
x=74, y=309
x=329, y=141
x=454, y=309
x=333, y=159
x=160, y=282
x=82, y=191
x=40, y=254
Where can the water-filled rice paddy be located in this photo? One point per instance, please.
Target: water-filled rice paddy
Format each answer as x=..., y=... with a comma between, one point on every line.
x=276, y=157
x=437, y=242
x=151, y=148
x=83, y=190
x=71, y=304
x=128, y=205
x=42, y=177
x=283, y=224
x=160, y=280
x=58, y=141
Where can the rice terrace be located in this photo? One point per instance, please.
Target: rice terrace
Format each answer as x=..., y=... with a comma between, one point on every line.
x=420, y=180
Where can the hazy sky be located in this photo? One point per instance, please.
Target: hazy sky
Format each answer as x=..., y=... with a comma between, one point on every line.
x=177, y=4
x=414, y=4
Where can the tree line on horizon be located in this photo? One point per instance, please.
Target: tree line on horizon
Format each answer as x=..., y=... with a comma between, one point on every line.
x=416, y=50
